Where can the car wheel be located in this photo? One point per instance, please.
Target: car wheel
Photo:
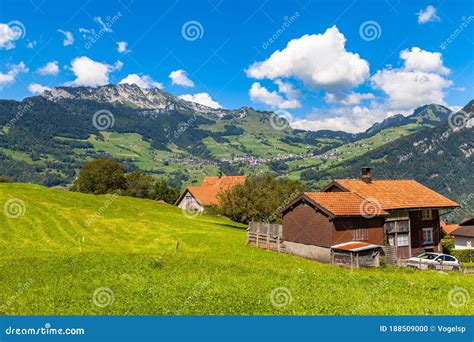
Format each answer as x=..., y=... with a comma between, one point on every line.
x=431, y=267
x=456, y=268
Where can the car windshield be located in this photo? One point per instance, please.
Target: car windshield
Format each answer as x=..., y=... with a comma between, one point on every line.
x=428, y=256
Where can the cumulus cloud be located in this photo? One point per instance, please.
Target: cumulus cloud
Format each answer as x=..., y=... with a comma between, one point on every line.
x=69, y=38
x=417, y=59
x=347, y=99
x=91, y=73
x=348, y=119
x=51, y=68
x=418, y=82
x=201, y=98
x=10, y=76
x=144, y=81
x=319, y=60
x=258, y=93
x=7, y=36
x=428, y=14
x=287, y=89
x=36, y=88
x=122, y=47
x=180, y=77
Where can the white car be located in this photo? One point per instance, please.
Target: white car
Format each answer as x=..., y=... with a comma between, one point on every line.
x=434, y=261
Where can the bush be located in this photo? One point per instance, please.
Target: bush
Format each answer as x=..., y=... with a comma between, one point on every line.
x=259, y=199
x=448, y=244
x=463, y=255
x=5, y=179
x=162, y=191
x=138, y=185
x=100, y=177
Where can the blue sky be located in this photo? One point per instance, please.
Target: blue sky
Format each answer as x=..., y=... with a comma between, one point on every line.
x=323, y=64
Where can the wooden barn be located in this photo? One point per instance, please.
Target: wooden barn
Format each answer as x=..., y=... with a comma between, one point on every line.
x=400, y=216
x=196, y=198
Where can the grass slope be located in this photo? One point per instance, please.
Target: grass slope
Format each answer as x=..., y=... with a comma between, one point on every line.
x=51, y=262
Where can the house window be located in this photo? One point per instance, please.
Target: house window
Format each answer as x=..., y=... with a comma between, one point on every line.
x=426, y=215
x=427, y=236
x=402, y=240
x=360, y=234
x=469, y=244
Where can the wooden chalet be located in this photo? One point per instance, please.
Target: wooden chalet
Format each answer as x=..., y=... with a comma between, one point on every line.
x=400, y=216
x=462, y=233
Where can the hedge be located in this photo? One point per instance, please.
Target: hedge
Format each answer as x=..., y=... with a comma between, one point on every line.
x=463, y=255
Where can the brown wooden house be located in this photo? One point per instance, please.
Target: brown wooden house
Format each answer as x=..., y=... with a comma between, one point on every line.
x=401, y=215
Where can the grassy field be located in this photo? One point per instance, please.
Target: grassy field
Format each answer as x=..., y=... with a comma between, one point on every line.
x=63, y=247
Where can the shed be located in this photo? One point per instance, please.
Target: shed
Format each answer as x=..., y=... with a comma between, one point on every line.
x=355, y=254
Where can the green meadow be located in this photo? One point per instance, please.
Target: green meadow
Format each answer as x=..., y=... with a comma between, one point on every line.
x=65, y=253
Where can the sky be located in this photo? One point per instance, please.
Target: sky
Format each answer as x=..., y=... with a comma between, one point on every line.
x=340, y=65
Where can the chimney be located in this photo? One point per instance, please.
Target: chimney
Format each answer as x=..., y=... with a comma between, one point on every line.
x=366, y=174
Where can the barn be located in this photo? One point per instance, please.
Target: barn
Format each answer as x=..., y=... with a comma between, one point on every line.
x=197, y=198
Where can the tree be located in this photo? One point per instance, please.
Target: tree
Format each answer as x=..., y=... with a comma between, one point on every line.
x=162, y=191
x=259, y=199
x=100, y=177
x=138, y=185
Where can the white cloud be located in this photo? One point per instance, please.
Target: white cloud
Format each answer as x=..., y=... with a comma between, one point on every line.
x=180, y=77
x=319, y=60
x=410, y=89
x=287, y=89
x=347, y=99
x=105, y=27
x=10, y=76
x=417, y=59
x=418, y=82
x=36, y=88
x=201, y=98
x=92, y=73
x=31, y=44
x=258, y=93
x=8, y=36
x=69, y=38
x=122, y=47
x=144, y=81
x=51, y=68
x=348, y=119
x=427, y=15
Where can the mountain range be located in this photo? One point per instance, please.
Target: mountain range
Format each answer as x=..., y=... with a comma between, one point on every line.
x=46, y=139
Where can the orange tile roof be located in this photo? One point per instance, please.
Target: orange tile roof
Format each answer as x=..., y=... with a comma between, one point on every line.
x=448, y=228
x=211, y=187
x=397, y=194
x=346, y=204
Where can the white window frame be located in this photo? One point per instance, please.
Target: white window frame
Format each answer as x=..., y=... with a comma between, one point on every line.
x=404, y=235
x=425, y=242
x=428, y=217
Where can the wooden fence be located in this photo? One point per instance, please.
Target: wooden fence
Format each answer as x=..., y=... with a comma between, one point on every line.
x=265, y=235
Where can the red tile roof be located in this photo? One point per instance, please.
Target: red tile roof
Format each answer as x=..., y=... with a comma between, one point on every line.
x=207, y=193
x=397, y=194
x=346, y=204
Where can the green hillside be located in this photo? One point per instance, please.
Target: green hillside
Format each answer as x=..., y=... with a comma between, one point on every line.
x=52, y=262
